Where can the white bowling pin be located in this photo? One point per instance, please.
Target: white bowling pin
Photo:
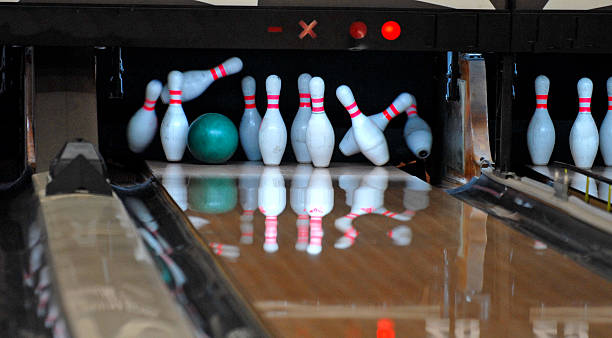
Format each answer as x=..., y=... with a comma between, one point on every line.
x=197, y=81
x=417, y=133
x=319, y=202
x=143, y=125
x=272, y=133
x=297, y=193
x=175, y=184
x=272, y=201
x=605, y=131
x=250, y=122
x=541, y=131
x=320, y=133
x=174, y=127
x=369, y=138
x=349, y=147
x=584, y=138
x=300, y=122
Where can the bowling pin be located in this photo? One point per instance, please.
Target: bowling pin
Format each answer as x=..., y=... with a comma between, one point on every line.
x=300, y=122
x=605, y=131
x=541, y=131
x=197, y=81
x=417, y=133
x=349, y=147
x=369, y=138
x=584, y=138
x=272, y=133
x=250, y=122
x=319, y=202
x=174, y=127
x=143, y=125
x=297, y=193
x=272, y=199
x=320, y=133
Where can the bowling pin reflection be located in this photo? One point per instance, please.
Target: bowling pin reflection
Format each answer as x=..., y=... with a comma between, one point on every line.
x=319, y=202
x=248, y=184
x=272, y=199
x=579, y=182
x=175, y=184
x=297, y=192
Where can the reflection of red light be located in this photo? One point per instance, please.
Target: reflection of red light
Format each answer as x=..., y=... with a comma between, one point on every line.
x=385, y=328
x=391, y=30
x=358, y=30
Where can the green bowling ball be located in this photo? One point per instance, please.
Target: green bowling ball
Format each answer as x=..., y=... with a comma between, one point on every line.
x=212, y=138
x=212, y=195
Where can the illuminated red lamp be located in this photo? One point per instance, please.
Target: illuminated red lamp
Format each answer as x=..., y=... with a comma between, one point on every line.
x=358, y=30
x=390, y=30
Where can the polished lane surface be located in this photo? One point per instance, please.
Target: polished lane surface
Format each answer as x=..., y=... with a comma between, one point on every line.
x=396, y=255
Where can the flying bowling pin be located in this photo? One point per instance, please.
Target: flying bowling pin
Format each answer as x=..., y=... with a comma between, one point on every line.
x=143, y=125
x=272, y=199
x=320, y=133
x=605, y=131
x=300, y=122
x=272, y=133
x=584, y=138
x=319, y=202
x=369, y=138
x=541, y=131
x=250, y=122
x=174, y=127
x=197, y=81
x=297, y=193
x=417, y=133
x=349, y=147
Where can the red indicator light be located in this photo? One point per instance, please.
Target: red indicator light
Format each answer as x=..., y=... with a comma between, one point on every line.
x=358, y=30
x=391, y=30
x=275, y=29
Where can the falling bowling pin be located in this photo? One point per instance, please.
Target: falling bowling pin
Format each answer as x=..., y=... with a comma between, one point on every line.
x=417, y=133
x=319, y=202
x=272, y=133
x=300, y=122
x=143, y=125
x=197, y=81
x=584, y=138
x=369, y=138
x=349, y=147
x=320, y=133
x=250, y=122
x=541, y=131
x=272, y=199
x=174, y=127
x=605, y=131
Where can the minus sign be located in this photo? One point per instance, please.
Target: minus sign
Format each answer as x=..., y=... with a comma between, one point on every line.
x=275, y=29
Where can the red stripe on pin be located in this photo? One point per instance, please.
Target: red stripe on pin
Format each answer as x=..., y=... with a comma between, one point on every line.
x=150, y=102
x=355, y=114
x=175, y=92
x=317, y=109
x=214, y=74
x=541, y=97
x=222, y=69
x=148, y=108
x=249, y=97
x=272, y=105
x=609, y=107
x=317, y=100
x=351, y=106
x=393, y=109
x=609, y=98
x=387, y=115
x=273, y=97
x=250, y=106
x=172, y=101
x=304, y=96
x=304, y=104
x=541, y=106
x=584, y=100
x=584, y=109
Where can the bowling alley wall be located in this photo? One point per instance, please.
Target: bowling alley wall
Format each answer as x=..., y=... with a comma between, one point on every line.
x=375, y=77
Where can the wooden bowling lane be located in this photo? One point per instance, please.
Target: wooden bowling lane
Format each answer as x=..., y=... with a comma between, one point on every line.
x=463, y=273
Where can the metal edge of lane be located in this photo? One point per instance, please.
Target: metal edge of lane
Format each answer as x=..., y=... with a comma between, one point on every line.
x=205, y=262
x=545, y=220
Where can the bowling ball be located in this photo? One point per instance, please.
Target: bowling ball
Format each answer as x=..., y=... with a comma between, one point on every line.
x=212, y=138
x=212, y=195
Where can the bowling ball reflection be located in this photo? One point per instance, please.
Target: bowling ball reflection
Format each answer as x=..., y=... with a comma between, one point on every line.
x=212, y=195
